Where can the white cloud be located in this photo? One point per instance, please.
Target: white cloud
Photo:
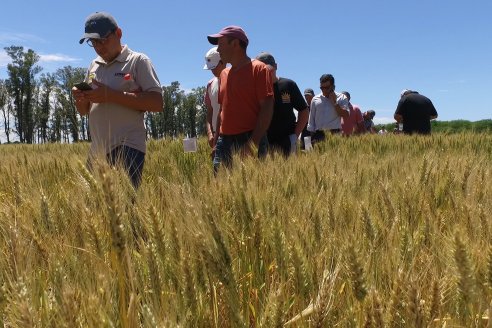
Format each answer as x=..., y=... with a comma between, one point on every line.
x=49, y=58
x=4, y=59
x=43, y=58
x=8, y=38
x=383, y=120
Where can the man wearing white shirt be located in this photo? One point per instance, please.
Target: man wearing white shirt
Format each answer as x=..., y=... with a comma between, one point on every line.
x=327, y=109
x=215, y=65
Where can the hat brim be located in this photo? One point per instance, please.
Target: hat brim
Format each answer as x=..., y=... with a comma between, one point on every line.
x=89, y=36
x=214, y=38
x=211, y=67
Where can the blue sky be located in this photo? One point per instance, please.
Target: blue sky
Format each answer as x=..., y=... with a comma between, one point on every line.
x=374, y=49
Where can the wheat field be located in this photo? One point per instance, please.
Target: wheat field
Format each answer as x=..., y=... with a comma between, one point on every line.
x=369, y=231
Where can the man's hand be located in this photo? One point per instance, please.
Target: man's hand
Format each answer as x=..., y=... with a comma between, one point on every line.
x=333, y=97
x=82, y=103
x=79, y=95
x=211, y=139
x=101, y=94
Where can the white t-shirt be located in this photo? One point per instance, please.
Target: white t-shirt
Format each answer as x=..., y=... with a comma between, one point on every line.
x=213, y=95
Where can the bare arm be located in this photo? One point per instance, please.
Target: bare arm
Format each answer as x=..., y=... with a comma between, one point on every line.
x=341, y=111
x=143, y=101
x=217, y=132
x=264, y=119
x=302, y=119
x=210, y=112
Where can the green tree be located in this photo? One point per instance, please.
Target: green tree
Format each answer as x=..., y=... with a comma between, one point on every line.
x=21, y=84
x=173, y=98
x=195, y=112
x=184, y=113
x=6, y=108
x=201, y=116
x=56, y=124
x=67, y=77
x=47, y=87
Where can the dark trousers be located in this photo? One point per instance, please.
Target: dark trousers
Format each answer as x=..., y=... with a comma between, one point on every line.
x=280, y=143
x=130, y=159
x=227, y=144
x=319, y=135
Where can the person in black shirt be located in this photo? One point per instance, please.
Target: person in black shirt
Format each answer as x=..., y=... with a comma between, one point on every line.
x=415, y=111
x=284, y=130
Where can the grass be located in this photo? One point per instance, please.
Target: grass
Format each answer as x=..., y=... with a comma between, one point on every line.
x=367, y=231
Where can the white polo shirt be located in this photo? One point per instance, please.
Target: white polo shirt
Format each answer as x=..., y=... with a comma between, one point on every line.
x=323, y=115
x=113, y=125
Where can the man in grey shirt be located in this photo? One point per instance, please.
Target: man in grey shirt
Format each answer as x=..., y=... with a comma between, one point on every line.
x=327, y=109
x=124, y=86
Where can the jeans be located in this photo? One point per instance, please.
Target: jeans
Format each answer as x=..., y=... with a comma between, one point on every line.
x=132, y=161
x=227, y=144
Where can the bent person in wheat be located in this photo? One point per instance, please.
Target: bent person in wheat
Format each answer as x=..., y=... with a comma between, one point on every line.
x=415, y=111
x=125, y=86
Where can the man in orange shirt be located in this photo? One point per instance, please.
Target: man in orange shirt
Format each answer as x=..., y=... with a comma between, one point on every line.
x=246, y=98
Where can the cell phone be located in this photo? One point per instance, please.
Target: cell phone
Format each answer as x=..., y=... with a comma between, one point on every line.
x=84, y=86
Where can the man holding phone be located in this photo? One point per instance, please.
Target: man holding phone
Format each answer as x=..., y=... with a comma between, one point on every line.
x=124, y=86
x=326, y=110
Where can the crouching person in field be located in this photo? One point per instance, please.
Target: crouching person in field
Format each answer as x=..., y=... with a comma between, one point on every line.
x=124, y=86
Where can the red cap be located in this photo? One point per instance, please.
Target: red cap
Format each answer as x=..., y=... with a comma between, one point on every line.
x=232, y=31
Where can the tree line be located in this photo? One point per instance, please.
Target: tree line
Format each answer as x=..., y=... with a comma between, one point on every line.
x=455, y=126
x=38, y=107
